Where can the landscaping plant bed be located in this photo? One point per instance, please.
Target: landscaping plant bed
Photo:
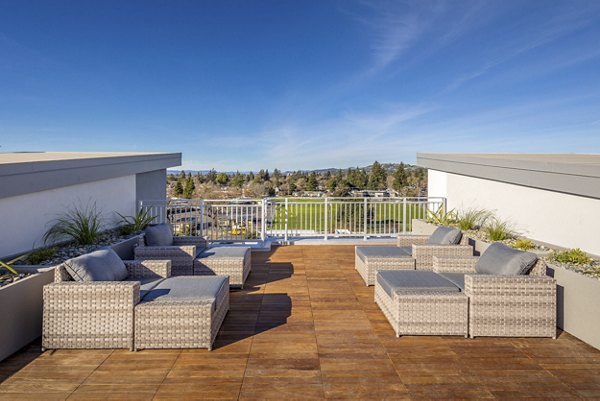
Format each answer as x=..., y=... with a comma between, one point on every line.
x=59, y=253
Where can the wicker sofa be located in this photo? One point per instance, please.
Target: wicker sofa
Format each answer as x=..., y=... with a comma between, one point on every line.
x=504, y=305
x=412, y=252
x=146, y=309
x=190, y=255
x=503, y=293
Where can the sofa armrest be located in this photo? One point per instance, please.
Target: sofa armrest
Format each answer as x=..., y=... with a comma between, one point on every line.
x=409, y=240
x=148, y=268
x=509, y=286
x=164, y=252
x=454, y=265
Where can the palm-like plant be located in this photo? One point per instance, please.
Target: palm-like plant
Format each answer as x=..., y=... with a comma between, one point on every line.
x=81, y=224
x=470, y=219
x=132, y=224
x=441, y=217
x=8, y=265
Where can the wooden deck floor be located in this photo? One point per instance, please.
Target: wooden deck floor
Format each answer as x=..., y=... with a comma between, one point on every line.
x=306, y=328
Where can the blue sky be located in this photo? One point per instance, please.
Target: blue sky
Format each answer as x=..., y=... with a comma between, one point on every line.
x=300, y=84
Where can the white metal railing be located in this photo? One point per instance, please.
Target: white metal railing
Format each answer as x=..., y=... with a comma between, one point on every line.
x=236, y=220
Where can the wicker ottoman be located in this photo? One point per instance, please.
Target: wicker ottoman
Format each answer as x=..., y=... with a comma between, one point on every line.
x=182, y=312
x=370, y=259
x=231, y=261
x=421, y=303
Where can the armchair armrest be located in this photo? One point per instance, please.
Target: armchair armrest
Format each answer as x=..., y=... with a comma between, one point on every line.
x=454, y=265
x=199, y=242
x=423, y=254
x=409, y=240
x=148, y=268
x=93, y=314
x=510, y=286
x=164, y=252
x=86, y=294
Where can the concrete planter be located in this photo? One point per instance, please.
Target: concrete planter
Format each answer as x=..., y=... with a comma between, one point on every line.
x=578, y=297
x=125, y=248
x=21, y=309
x=421, y=227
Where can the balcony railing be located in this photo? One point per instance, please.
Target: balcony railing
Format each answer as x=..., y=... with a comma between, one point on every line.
x=285, y=219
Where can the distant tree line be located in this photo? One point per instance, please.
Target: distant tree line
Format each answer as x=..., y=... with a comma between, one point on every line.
x=398, y=179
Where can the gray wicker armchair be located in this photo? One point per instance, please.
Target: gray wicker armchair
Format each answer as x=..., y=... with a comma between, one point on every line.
x=503, y=305
x=419, y=255
x=96, y=314
x=423, y=252
x=181, y=254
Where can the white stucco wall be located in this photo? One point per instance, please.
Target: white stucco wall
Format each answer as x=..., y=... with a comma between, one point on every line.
x=25, y=218
x=565, y=220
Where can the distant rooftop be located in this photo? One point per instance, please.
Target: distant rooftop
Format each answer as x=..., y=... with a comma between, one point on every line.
x=28, y=157
x=577, y=174
x=27, y=172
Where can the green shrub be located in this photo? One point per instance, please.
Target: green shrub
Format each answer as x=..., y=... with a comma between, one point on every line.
x=499, y=230
x=573, y=256
x=40, y=255
x=441, y=217
x=80, y=224
x=132, y=224
x=471, y=219
x=524, y=244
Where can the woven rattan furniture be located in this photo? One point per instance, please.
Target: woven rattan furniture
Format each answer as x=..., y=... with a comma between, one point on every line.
x=369, y=259
x=422, y=311
x=190, y=256
x=181, y=254
x=412, y=252
x=503, y=305
x=234, y=262
x=98, y=314
x=172, y=319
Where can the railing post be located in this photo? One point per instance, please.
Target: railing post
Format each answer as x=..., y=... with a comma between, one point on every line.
x=404, y=215
x=285, y=231
x=263, y=228
x=201, y=217
x=326, y=219
x=365, y=217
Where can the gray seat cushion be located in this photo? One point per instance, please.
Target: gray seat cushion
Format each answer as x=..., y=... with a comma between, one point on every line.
x=224, y=252
x=147, y=284
x=101, y=265
x=366, y=252
x=409, y=280
x=445, y=236
x=503, y=260
x=180, y=288
x=458, y=279
x=158, y=235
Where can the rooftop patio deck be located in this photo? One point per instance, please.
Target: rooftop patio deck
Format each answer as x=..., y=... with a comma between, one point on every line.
x=306, y=327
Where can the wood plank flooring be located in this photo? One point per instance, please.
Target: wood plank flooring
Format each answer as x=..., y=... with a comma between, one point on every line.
x=306, y=327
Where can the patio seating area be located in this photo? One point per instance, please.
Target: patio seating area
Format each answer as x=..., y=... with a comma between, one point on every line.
x=305, y=326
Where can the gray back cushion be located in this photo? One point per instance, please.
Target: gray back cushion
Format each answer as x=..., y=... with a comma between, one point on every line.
x=501, y=259
x=101, y=265
x=159, y=235
x=445, y=236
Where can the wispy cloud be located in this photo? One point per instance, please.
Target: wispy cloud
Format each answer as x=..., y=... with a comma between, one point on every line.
x=536, y=36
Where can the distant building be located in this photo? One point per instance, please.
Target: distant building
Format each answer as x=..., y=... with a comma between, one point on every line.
x=35, y=188
x=552, y=198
